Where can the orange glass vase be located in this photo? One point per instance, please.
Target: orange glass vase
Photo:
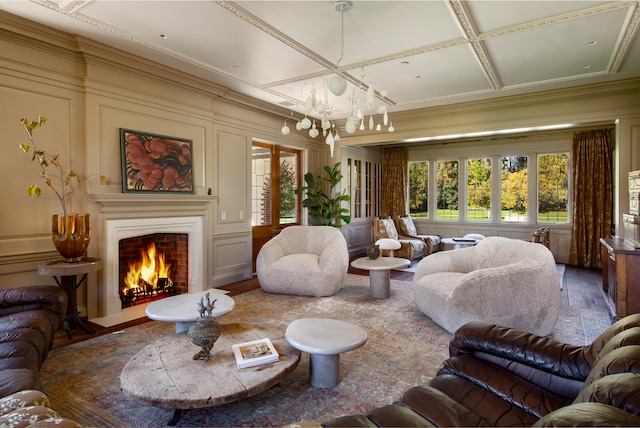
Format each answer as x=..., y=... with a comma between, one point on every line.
x=71, y=235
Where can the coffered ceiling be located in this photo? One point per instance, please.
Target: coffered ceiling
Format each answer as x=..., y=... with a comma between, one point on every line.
x=424, y=53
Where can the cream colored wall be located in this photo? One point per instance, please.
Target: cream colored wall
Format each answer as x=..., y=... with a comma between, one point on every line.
x=88, y=93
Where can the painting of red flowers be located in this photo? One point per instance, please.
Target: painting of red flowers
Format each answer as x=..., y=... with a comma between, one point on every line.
x=155, y=163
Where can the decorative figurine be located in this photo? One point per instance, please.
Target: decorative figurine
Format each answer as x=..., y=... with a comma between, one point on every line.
x=205, y=331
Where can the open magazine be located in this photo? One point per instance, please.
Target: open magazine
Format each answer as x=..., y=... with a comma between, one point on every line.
x=249, y=354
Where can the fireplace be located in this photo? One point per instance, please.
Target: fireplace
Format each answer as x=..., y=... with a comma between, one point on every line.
x=152, y=267
x=116, y=217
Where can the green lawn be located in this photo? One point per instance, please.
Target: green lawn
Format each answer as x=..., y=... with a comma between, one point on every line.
x=482, y=215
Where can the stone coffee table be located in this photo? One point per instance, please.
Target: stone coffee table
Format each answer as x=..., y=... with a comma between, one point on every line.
x=164, y=373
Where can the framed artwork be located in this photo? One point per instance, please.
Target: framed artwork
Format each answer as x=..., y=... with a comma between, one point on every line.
x=155, y=163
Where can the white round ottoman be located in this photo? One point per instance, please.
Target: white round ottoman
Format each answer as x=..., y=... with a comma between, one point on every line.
x=324, y=339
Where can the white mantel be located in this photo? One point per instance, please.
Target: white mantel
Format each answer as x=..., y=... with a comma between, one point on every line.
x=120, y=216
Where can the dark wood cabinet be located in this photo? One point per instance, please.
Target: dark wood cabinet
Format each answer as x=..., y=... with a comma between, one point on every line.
x=621, y=275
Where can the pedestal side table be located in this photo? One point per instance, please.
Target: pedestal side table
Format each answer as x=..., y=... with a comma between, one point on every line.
x=324, y=339
x=66, y=276
x=380, y=273
x=183, y=308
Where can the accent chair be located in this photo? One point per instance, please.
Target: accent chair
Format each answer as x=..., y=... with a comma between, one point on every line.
x=410, y=248
x=304, y=260
x=407, y=227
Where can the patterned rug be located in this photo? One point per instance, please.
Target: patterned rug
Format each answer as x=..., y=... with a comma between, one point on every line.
x=404, y=348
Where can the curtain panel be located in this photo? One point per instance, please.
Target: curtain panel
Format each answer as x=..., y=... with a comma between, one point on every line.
x=395, y=177
x=592, y=154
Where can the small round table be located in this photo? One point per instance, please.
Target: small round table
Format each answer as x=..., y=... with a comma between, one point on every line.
x=459, y=242
x=183, y=308
x=324, y=339
x=68, y=282
x=380, y=273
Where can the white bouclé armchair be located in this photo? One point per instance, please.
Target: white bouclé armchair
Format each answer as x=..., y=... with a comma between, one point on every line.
x=304, y=260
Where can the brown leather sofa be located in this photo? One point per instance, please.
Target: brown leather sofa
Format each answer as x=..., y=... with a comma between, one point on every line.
x=29, y=319
x=499, y=376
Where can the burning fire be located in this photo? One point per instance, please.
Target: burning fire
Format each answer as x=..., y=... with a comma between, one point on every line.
x=148, y=271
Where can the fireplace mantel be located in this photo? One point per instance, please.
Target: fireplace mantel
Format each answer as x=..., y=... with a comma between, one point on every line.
x=122, y=215
x=125, y=202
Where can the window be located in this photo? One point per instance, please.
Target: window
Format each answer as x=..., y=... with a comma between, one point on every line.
x=419, y=189
x=274, y=199
x=553, y=188
x=479, y=189
x=514, y=188
x=447, y=191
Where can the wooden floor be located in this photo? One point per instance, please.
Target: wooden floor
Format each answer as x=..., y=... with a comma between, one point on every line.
x=582, y=289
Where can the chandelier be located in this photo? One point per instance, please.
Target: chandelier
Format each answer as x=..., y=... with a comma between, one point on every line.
x=362, y=102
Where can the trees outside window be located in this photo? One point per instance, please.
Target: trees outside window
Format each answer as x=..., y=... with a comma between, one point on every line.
x=553, y=188
x=514, y=188
x=419, y=189
x=447, y=189
x=479, y=189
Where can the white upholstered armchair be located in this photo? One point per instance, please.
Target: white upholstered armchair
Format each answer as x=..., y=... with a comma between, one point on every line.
x=304, y=260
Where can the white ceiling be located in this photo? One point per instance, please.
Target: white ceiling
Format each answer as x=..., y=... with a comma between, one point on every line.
x=424, y=53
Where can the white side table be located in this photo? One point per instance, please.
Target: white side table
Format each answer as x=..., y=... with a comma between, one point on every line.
x=460, y=242
x=380, y=273
x=183, y=308
x=324, y=339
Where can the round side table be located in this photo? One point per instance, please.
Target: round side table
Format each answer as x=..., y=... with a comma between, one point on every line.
x=68, y=281
x=324, y=339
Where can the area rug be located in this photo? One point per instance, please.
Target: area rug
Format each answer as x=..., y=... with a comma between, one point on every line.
x=404, y=348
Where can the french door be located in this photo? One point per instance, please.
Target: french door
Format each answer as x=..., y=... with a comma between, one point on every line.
x=275, y=175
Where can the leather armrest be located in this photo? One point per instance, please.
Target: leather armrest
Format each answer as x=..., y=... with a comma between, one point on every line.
x=588, y=415
x=619, y=390
x=21, y=299
x=542, y=353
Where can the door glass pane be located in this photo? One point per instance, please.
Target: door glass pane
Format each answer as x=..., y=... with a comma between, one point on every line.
x=288, y=185
x=260, y=186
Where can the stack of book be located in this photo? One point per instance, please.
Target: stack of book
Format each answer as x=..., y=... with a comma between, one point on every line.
x=256, y=352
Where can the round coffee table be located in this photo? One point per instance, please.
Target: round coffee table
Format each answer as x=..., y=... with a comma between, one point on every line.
x=164, y=373
x=380, y=273
x=183, y=308
x=325, y=339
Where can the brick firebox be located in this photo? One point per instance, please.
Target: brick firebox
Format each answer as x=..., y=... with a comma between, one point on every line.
x=174, y=247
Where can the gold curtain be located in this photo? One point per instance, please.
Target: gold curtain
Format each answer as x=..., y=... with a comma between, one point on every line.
x=395, y=170
x=592, y=155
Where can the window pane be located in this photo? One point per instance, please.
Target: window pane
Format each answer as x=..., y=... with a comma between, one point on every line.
x=419, y=189
x=479, y=189
x=260, y=186
x=447, y=194
x=288, y=185
x=514, y=188
x=553, y=188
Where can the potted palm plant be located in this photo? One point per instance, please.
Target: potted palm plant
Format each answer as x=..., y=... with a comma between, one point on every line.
x=71, y=232
x=324, y=208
